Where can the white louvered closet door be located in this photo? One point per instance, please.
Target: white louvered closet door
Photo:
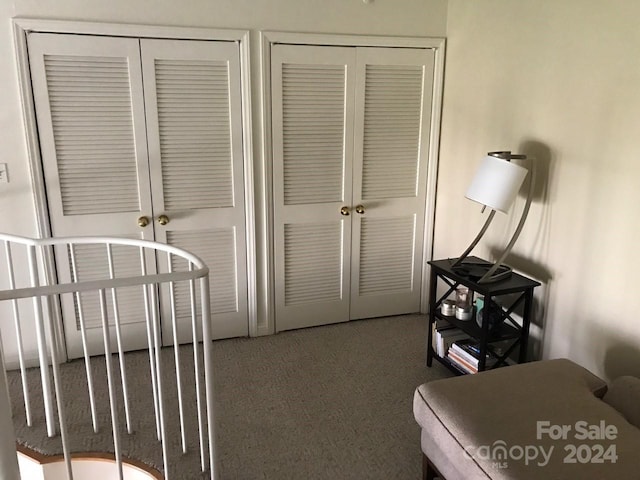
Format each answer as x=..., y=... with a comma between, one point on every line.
x=90, y=114
x=193, y=110
x=393, y=114
x=312, y=162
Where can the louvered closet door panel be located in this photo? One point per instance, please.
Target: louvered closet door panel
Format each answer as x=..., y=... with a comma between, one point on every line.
x=217, y=247
x=312, y=120
x=90, y=114
x=194, y=122
x=312, y=265
x=393, y=111
x=91, y=263
x=386, y=254
x=313, y=124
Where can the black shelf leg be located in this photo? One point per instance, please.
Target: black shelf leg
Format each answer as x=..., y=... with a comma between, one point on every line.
x=526, y=322
x=432, y=316
x=484, y=336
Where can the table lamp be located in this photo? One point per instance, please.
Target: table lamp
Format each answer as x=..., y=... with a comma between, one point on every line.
x=496, y=186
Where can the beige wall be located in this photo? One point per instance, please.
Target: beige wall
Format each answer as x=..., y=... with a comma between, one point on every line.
x=560, y=80
x=380, y=17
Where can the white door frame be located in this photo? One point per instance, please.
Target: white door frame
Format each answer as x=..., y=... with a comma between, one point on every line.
x=267, y=39
x=23, y=26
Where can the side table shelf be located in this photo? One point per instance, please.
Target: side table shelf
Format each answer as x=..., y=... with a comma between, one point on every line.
x=504, y=328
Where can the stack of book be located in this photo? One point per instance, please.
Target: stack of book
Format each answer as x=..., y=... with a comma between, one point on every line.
x=465, y=354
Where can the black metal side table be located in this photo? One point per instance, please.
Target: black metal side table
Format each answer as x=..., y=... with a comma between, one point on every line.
x=503, y=328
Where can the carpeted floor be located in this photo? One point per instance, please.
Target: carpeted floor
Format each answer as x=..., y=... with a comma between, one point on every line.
x=331, y=402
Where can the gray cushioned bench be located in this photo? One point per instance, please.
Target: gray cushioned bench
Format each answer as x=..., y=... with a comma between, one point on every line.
x=529, y=421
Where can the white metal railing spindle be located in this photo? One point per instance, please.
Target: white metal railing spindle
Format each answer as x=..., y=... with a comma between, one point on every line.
x=9, y=469
x=110, y=382
x=57, y=384
x=196, y=366
x=18, y=328
x=83, y=336
x=42, y=346
x=156, y=342
x=176, y=355
x=152, y=357
x=208, y=362
x=116, y=319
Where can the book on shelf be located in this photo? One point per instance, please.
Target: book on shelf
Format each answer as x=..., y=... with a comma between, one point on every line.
x=440, y=325
x=461, y=363
x=459, y=349
x=443, y=339
x=458, y=367
x=469, y=350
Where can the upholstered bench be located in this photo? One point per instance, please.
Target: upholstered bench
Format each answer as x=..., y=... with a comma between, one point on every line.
x=542, y=420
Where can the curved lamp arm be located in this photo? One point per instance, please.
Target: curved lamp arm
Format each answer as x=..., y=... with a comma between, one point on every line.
x=489, y=276
x=475, y=240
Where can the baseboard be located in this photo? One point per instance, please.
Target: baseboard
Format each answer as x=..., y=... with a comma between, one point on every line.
x=12, y=362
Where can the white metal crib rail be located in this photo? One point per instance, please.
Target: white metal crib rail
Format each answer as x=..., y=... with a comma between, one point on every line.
x=48, y=336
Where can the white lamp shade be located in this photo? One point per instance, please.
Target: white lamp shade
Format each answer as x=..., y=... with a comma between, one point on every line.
x=496, y=183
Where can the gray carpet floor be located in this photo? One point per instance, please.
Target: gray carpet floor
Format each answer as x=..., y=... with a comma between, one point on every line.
x=332, y=402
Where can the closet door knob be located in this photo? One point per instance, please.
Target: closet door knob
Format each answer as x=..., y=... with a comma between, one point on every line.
x=360, y=209
x=163, y=219
x=344, y=211
x=143, y=222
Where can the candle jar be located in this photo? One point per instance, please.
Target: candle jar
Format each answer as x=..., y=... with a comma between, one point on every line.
x=463, y=297
x=448, y=308
x=464, y=305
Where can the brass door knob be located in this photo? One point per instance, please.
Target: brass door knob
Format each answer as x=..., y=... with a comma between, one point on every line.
x=163, y=219
x=344, y=211
x=143, y=222
x=360, y=209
